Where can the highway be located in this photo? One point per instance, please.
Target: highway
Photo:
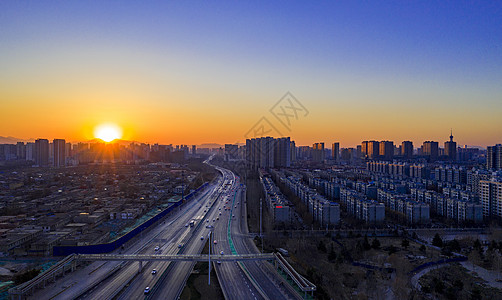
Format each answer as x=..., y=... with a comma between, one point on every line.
x=221, y=207
x=232, y=277
x=177, y=276
x=263, y=279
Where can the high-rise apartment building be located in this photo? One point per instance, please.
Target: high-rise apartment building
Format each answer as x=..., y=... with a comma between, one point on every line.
x=318, y=152
x=430, y=149
x=69, y=152
x=293, y=151
x=282, y=152
x=370, y=149
x=59, y=152
x=42, y=152
x=407, y=149
x=82, y=153
x=450, y=148
x=30, y=151
x=386, y=150
x=494, y=157
x=260, y=152
x=231, y=152
x=335, y=152
x=20, y=150
x=491, y=197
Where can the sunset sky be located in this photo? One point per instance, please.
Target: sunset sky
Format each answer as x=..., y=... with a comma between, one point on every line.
x=199, y=72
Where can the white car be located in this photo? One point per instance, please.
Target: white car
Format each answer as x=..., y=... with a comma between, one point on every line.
x=154, y=271
x=201, y=237
x=215, y=242
x=147, y=290
x=157, y=248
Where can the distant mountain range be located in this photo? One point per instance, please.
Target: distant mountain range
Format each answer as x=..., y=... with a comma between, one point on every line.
x=13, y=140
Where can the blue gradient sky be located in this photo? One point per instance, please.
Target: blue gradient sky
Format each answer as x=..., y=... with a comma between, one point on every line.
x=365, y=70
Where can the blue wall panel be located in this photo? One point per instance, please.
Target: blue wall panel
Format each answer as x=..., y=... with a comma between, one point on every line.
x=108, y=247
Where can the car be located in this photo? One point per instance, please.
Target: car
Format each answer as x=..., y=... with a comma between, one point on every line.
x=201, y=237
x=214, y=220
x=204, y=210
x=186, y=225
x=180, y=245
x=219, y=208
x=235, y=206
x=220, y=214
x=157, y=248
x=207, y=220
x=217, y=218
x=154, y=271
x=147, y=290
x=218, y=262
x=209, y=226
x=221, y=253
x=215, y=242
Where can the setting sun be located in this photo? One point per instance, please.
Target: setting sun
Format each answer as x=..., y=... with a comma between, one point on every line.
x=108, y=132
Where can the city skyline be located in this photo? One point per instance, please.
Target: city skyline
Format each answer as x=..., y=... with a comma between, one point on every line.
x=364, y=71
x=212, y=144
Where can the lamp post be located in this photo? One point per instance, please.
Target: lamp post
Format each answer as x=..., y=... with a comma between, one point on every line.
x=209, y=275
x=261, y=235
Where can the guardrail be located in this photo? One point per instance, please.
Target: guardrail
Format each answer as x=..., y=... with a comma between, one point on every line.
x=173, y=257
x=50, y=274
x=304, y=285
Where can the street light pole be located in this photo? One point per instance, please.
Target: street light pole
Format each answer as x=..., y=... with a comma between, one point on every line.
x=209, y=275
x=261, y=221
